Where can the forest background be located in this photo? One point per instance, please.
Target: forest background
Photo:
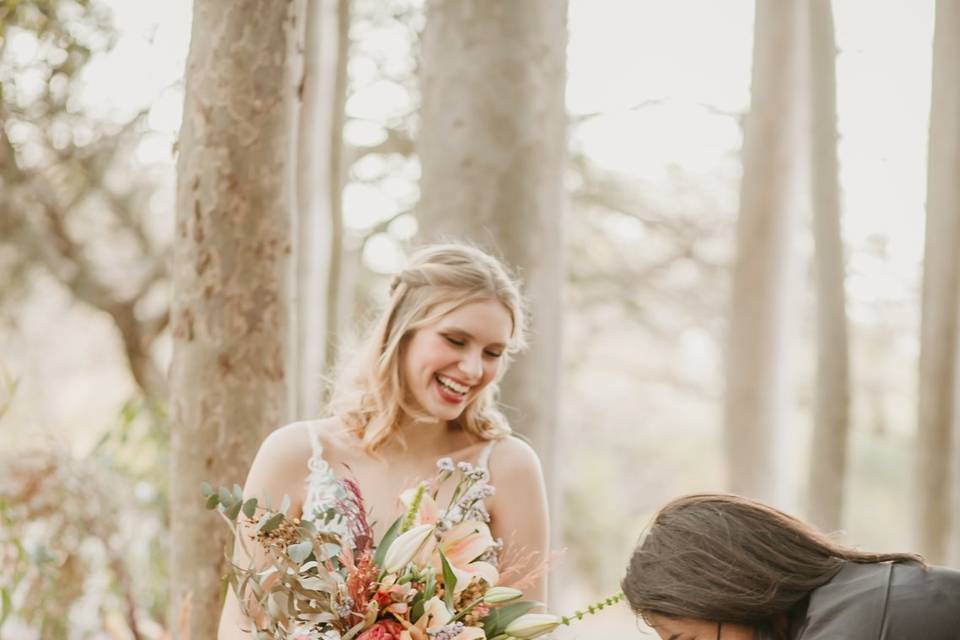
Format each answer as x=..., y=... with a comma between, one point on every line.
x=737, y=225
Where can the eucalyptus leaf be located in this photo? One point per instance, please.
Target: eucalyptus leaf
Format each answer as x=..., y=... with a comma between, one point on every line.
x=226, y=498
x=212, y=501
x=315, y=583
x=308, y=528
x=300, y=551
x=233, y=511
x=284, y=505
x=250, y=507
x=206, y=489
x=330, y=550
x=269, y=523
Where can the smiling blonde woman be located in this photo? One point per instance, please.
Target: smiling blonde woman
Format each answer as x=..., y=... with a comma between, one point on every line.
x=423, y=388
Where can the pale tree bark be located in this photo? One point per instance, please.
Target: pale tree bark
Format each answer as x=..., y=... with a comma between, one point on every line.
x=938, y=326
x=231, y=260
x=338, y=180
x=756, y=357
x=828, y=456
x=492, y=151
x=319, y=185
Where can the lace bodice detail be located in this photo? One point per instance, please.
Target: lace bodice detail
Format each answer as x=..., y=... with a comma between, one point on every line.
x=324, y=491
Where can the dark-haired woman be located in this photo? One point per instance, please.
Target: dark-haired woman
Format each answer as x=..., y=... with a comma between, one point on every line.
x=724, y=567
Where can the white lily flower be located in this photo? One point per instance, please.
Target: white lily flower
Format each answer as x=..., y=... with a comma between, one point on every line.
x=498, y=595
x=405, y=547
x=531, y=625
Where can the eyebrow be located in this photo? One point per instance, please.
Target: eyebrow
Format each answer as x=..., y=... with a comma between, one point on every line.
x=467, y=334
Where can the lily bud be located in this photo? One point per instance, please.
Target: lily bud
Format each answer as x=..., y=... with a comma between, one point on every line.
x=531, y=625
x=498, y=595
x=405, y=547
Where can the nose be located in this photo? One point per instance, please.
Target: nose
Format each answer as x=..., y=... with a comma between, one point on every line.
x=471, y=365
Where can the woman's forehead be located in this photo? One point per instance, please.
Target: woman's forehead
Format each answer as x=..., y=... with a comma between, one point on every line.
x=485, y=318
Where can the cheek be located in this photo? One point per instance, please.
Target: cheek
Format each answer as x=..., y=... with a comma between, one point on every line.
x=491, y=370
x=423, y=353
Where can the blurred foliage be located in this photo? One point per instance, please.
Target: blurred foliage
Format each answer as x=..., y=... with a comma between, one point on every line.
x=645, y=297
x=83, y=542
x=75, y=201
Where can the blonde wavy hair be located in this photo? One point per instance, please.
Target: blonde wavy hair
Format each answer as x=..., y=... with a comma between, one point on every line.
x=438, y=279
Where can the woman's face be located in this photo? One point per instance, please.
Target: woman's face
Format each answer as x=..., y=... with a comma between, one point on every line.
x=448, y=363
x=693, y=629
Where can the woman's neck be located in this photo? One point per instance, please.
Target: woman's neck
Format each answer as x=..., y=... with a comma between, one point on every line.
x=433, y=438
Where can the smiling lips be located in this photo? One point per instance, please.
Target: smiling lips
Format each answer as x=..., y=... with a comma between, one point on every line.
x=451, y=390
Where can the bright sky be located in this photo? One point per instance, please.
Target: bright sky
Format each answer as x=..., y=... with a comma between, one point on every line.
x=691, y=55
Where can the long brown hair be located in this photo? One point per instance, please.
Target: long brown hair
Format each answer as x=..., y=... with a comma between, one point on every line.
x=726, y=558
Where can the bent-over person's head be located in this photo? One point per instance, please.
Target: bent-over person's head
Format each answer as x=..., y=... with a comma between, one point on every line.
x=723, y=566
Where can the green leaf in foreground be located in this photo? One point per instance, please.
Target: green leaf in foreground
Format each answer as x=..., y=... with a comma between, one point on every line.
x=233, y=510
x=449, y=582
x=300, y=551
x=269, y=523
x=6, y=602
x=385, y=543
x=497, y=620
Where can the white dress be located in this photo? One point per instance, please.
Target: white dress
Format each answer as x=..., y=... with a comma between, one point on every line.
x=324, y=491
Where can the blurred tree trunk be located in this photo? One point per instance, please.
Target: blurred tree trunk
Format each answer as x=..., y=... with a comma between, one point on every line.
x=757, y=354
x=828, y=457
x=318, y=236
x=492, y=151
x=231, y=261
x=938, y=327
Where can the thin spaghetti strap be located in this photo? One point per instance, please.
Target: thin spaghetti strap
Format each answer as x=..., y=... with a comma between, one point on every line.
x=317, y=464
x=484, y=460
x=315, y=445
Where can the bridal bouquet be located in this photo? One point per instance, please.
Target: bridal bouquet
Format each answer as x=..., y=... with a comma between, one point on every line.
x=433, y=575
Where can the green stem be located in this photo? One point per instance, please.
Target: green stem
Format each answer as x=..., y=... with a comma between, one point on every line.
x=593, y=608
x=466, y=610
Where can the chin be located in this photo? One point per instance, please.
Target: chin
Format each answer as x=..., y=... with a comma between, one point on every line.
x=446, y=414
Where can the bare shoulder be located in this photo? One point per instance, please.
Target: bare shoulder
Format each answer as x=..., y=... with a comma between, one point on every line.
x=281, y=465
x=295, y=438
x=284, y=453
x=512, y=458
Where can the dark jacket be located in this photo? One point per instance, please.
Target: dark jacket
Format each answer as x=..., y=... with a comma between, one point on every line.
x=885, y=601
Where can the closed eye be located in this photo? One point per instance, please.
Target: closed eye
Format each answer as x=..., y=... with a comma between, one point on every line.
x=493, y=354
x=455, y=341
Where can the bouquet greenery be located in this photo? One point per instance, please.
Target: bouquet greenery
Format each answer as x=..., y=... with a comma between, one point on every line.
x=432, y=576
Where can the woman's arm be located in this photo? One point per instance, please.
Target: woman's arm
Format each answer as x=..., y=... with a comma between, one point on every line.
x=519, y=515
x=279, y=469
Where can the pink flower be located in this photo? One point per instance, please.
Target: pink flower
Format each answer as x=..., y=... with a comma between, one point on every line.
x=383, y=630
x=462, y=544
